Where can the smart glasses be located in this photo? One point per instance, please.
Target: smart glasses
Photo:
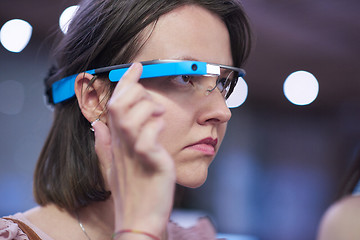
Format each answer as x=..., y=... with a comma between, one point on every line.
x=226, y=76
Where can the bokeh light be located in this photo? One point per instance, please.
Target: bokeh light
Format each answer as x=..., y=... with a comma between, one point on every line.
x=301, y=88
x=239, y=95
x=15, y=35
x=66, y=17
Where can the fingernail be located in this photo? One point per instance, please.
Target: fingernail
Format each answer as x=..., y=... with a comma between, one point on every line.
x=134, y=65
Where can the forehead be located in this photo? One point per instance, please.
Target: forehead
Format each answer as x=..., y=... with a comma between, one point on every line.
x=189, y=32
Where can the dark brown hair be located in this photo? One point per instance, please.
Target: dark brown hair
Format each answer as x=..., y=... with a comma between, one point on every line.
x=104, y=33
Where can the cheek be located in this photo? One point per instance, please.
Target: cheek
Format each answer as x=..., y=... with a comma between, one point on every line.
x=178, y=125
x=179, y=120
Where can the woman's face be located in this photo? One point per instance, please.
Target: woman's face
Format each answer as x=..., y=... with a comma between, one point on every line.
x=195, y=122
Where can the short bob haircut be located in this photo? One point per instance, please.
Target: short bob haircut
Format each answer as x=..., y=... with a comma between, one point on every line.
x=105, y=33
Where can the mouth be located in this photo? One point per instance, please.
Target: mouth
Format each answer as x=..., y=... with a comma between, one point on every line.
x=206, y=146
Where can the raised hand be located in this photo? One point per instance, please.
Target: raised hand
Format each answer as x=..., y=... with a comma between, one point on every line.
x=139, y=171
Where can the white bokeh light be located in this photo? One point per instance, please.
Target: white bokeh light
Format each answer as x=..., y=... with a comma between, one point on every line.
x=301, y=88
x=66, y=17
x=239, y=94
x=15, y=35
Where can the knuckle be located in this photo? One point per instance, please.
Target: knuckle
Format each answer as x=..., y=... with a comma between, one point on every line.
x=113, y=107
x=125, y=125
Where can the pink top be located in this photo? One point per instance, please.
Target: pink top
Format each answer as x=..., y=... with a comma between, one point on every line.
x=203, y=230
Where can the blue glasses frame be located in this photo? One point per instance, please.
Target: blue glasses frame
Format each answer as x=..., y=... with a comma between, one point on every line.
x=64, y=88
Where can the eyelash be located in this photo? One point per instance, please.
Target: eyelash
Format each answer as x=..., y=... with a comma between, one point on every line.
x=177, y=79
x=185, y=81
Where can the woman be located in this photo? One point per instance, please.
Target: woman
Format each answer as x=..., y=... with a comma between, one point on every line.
x=116, y=149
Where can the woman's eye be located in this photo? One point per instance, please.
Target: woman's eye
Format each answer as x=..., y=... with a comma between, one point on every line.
x=183, y=79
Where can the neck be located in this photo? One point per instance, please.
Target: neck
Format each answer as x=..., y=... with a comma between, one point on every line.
x=98, y=219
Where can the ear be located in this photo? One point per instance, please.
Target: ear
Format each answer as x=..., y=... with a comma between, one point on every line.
x=91, y=96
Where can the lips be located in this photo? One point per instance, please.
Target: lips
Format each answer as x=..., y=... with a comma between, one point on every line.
x=206, y=146
x=208, y=141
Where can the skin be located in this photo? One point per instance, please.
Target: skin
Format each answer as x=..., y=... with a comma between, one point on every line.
x=341, y=220
x=145, y=140
x=205, y=38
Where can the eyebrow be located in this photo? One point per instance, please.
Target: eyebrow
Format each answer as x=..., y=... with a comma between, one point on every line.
x=186, y=58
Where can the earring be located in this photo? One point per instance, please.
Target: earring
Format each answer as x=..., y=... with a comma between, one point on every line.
x=92, y=123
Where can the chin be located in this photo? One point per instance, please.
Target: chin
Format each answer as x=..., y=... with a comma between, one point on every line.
x=192, y=180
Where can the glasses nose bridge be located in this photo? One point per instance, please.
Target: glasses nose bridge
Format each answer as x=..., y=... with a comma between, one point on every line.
x=214, y=107
x=208, y=83
x=209, y=86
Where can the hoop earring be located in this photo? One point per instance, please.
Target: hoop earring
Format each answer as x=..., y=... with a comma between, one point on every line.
x=92, y=123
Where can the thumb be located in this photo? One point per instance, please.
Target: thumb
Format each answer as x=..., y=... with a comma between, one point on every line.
x=103, y=143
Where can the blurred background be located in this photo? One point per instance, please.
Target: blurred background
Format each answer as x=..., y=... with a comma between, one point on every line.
x=283, y=160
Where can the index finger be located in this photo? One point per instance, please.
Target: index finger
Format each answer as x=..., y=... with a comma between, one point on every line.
x=131, y=76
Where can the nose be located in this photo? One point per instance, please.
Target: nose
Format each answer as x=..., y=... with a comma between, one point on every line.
x=213, y=109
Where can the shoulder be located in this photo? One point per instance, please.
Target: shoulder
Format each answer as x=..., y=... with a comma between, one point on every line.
x=11, y=231
x=341, y=220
